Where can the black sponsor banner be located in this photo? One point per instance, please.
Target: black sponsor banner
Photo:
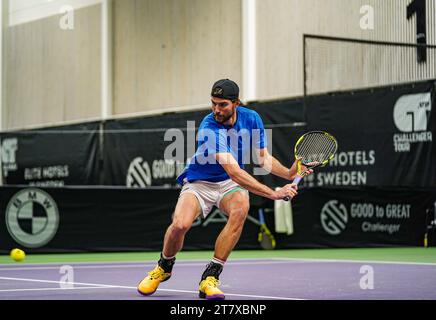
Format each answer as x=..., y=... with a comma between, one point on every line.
x=56, y=156
x=280, y=113
x=75, y=219
x=385, y=136
x=325, y=217
x=385, y=140
x=121, y=219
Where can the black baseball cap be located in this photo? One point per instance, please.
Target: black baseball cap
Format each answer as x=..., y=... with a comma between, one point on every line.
x=225, y=89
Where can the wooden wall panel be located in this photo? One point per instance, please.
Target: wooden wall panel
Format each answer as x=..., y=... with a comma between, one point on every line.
x=53, y=75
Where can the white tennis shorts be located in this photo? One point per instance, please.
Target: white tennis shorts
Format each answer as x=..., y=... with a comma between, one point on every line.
x=210, y=194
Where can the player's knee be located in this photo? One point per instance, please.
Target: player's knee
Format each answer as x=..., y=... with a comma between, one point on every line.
x=244, y=208
x=180, y=226
x=238, y=215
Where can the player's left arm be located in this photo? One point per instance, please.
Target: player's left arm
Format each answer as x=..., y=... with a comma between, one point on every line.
x=272, y=165
x=266, y=160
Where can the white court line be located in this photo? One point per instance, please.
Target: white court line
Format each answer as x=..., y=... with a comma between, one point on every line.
x=132, y=262
x=134, y=288
x=143, y=265
x=354, y=261
x=187, y=263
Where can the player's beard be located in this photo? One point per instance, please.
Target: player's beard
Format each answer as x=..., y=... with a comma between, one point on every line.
x=224, y=119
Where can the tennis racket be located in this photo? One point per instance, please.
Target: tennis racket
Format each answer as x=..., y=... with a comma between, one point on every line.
x=265, y=237
x=313, y=149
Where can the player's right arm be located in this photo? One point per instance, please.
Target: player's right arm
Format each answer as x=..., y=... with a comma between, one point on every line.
x=248, y=182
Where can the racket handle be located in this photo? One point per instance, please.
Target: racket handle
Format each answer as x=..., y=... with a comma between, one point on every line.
x=261, y=217
x=296, y=181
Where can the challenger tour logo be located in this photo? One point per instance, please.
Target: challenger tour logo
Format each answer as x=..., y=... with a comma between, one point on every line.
x=411, y=117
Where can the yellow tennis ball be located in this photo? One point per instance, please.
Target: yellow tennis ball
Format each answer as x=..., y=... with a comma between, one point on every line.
x=18, y=255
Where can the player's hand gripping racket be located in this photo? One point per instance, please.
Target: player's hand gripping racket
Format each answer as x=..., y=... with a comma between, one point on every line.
x=313, y=149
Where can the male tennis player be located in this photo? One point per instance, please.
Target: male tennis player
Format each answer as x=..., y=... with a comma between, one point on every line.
x=215, y=176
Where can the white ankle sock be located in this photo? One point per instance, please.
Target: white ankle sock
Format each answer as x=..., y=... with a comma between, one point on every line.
x=167, y=258
x=218, y=261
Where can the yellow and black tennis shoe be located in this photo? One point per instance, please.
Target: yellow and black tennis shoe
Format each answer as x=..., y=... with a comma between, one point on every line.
x=209, y=289
x=149, y=285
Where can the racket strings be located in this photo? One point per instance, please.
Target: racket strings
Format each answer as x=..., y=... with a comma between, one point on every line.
x=321, y=151
x=306, y=146
x=316, y=147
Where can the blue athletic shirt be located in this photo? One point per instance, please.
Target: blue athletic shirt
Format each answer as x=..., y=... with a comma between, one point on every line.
x=214, y=137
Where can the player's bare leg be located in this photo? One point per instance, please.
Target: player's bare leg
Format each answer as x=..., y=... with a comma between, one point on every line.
x=236, y=206
x=187, y=210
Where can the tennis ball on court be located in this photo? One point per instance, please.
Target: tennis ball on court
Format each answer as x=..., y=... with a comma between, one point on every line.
x=18, y=255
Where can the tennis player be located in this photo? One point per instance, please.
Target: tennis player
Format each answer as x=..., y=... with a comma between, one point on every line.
x=215, y=177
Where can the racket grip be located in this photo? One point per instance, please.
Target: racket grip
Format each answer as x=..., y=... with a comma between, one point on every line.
x=296, y=181
x=261, y=216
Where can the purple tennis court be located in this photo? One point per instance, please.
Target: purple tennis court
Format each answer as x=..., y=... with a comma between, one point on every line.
x=276, y=279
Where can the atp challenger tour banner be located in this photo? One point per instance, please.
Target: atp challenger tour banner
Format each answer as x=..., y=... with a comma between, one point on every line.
x=385, y=136
x=72, y=219
x=56, y=156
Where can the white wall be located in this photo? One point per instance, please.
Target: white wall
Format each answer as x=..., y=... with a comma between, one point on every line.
x=53, y=75
x=282, y=23
x=23, y=11
x=168, y=53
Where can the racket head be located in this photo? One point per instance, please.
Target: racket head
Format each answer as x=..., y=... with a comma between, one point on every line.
x=267, y=243
x=315, y=148
x=266, y=239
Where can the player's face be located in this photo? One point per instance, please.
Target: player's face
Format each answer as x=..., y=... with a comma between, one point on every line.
x=223, y=109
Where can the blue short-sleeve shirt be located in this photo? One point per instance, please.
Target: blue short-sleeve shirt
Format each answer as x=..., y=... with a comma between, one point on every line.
x=214, y=137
